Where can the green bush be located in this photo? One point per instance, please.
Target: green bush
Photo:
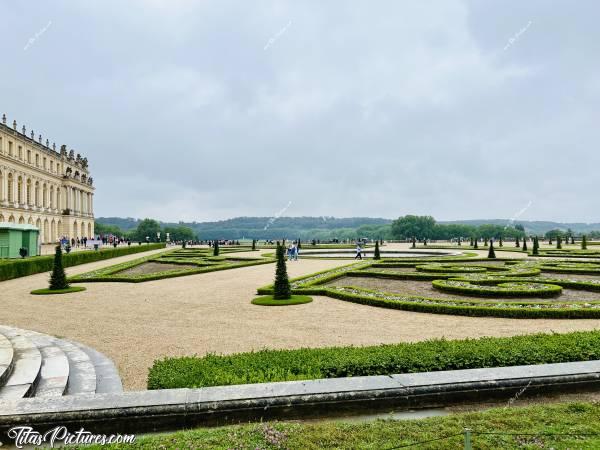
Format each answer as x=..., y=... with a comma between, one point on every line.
x=58, y=277
x=491, y=252
x=584, y=242
x=435, y=355
x=281, y=287
x=15, y=268
x=376, y=254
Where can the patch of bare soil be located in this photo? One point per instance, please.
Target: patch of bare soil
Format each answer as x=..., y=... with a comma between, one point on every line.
x=154, y=267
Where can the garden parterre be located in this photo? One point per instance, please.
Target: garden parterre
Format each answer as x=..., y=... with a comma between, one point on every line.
x=176, y=263
x=478, y=287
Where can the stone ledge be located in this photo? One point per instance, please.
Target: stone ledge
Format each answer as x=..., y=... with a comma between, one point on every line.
x=168, y=409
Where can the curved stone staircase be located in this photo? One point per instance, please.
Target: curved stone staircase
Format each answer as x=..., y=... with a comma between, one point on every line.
x=37, y=365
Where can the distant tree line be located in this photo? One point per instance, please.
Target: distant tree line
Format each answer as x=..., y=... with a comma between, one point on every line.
x=425, y=227
x=148, y=228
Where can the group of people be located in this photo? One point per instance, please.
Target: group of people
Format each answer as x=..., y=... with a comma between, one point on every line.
x=293, y=252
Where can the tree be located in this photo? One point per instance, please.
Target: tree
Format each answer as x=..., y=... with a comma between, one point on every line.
x=414, y=242
x=281, y=288
x=58, y=277
x=558, y=242
x=524, y=244
x=475, y=243
x=149, y=228
x=500, y=243
x=491, y=252
x=179, y=233
x=517, y=243
x=536, y=246
x=584, y=242
x=253, y=244
x=486, y=242
x=216, y=248
x=420, y=227
x=376, y=254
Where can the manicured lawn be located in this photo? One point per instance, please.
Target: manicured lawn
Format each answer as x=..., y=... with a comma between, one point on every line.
x=58, y=291
x=268, y=300
x=558, y=426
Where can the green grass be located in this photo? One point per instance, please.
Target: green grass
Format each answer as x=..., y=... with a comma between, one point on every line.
x=558, y=426
x=58, y=291
x=268, y=300
x=318, y=363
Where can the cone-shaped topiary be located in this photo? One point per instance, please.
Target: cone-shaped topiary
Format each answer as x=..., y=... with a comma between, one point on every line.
x=376, y=254
x=281, y=288
x=253, y=244
x=500, y=243
x=216, y=249
x=584, y=242
x=491, y=252
x=475, y=243
x=558, y=242
x=414, y=243
x=459, y=241
x=486, y=242
x=58, y=278
x=536, y=246
x=524, y=244
x=517, y=243
x=572, y=239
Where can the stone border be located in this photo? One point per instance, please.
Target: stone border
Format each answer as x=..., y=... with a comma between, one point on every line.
x=170, y=409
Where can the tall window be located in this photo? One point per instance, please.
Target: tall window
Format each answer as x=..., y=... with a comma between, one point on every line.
x=29, y=192
x=20, y=152
x=10, y=188
x=37, y=160
x=44, y=194
x=10, y=148
x=29, y=156
x=1, y=146
x=20, y=190
x=44, y=163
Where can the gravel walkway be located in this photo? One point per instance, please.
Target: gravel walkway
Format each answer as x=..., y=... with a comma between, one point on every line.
x=135, y=324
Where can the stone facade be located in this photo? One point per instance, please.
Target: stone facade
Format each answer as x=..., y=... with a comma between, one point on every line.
x=41, y=186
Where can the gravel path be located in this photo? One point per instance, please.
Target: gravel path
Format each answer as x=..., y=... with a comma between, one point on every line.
x=134, y=324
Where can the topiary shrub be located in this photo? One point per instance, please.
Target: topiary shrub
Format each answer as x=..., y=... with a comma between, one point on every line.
x=414, y=243
x=524, y=244
x=281, y=287
x=491, y=252
x=536, y=246
x=500, y=243
x=475, y=243
x=376, y=254
x=584, y=242
x=558, y=242
x=58, y=277
x=517, y=243
x=216, y=249
x=253, y=244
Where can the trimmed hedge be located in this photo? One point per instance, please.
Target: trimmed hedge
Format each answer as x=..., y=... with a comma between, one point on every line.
x=502, y=289
x=15, y=268
x=428, y=356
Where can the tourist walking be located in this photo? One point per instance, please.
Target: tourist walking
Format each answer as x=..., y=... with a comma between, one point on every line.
x=358, y=252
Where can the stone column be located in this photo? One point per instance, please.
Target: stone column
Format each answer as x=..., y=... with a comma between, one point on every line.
x=4, y=187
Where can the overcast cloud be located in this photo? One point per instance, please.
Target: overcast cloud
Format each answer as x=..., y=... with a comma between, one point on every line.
x=202, y=110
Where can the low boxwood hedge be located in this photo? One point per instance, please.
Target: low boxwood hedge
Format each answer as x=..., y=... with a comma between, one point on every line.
x=15, y=268
x=502, y=289
x=434, y=355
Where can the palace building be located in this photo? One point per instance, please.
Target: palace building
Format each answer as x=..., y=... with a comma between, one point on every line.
x=51, y=190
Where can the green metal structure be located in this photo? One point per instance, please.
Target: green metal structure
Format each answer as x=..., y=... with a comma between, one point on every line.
x=14, y=236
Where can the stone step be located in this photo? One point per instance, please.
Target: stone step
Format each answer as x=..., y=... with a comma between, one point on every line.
x=54, y=373
x=107, y=375
x=82, y=375
x=27, y=363
x=6, y=358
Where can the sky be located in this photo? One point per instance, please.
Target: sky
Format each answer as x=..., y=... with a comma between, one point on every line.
x=206, y=110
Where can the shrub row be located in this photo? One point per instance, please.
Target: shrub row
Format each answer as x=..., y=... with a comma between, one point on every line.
x=502, y=289
x=434, y=355
x=15, y=268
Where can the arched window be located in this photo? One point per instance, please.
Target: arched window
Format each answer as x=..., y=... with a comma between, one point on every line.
x=36, y=194
x=10, y=188
x=28, y=191
x=20, y=190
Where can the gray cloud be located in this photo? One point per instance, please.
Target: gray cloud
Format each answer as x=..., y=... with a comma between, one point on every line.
x=358, y=108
